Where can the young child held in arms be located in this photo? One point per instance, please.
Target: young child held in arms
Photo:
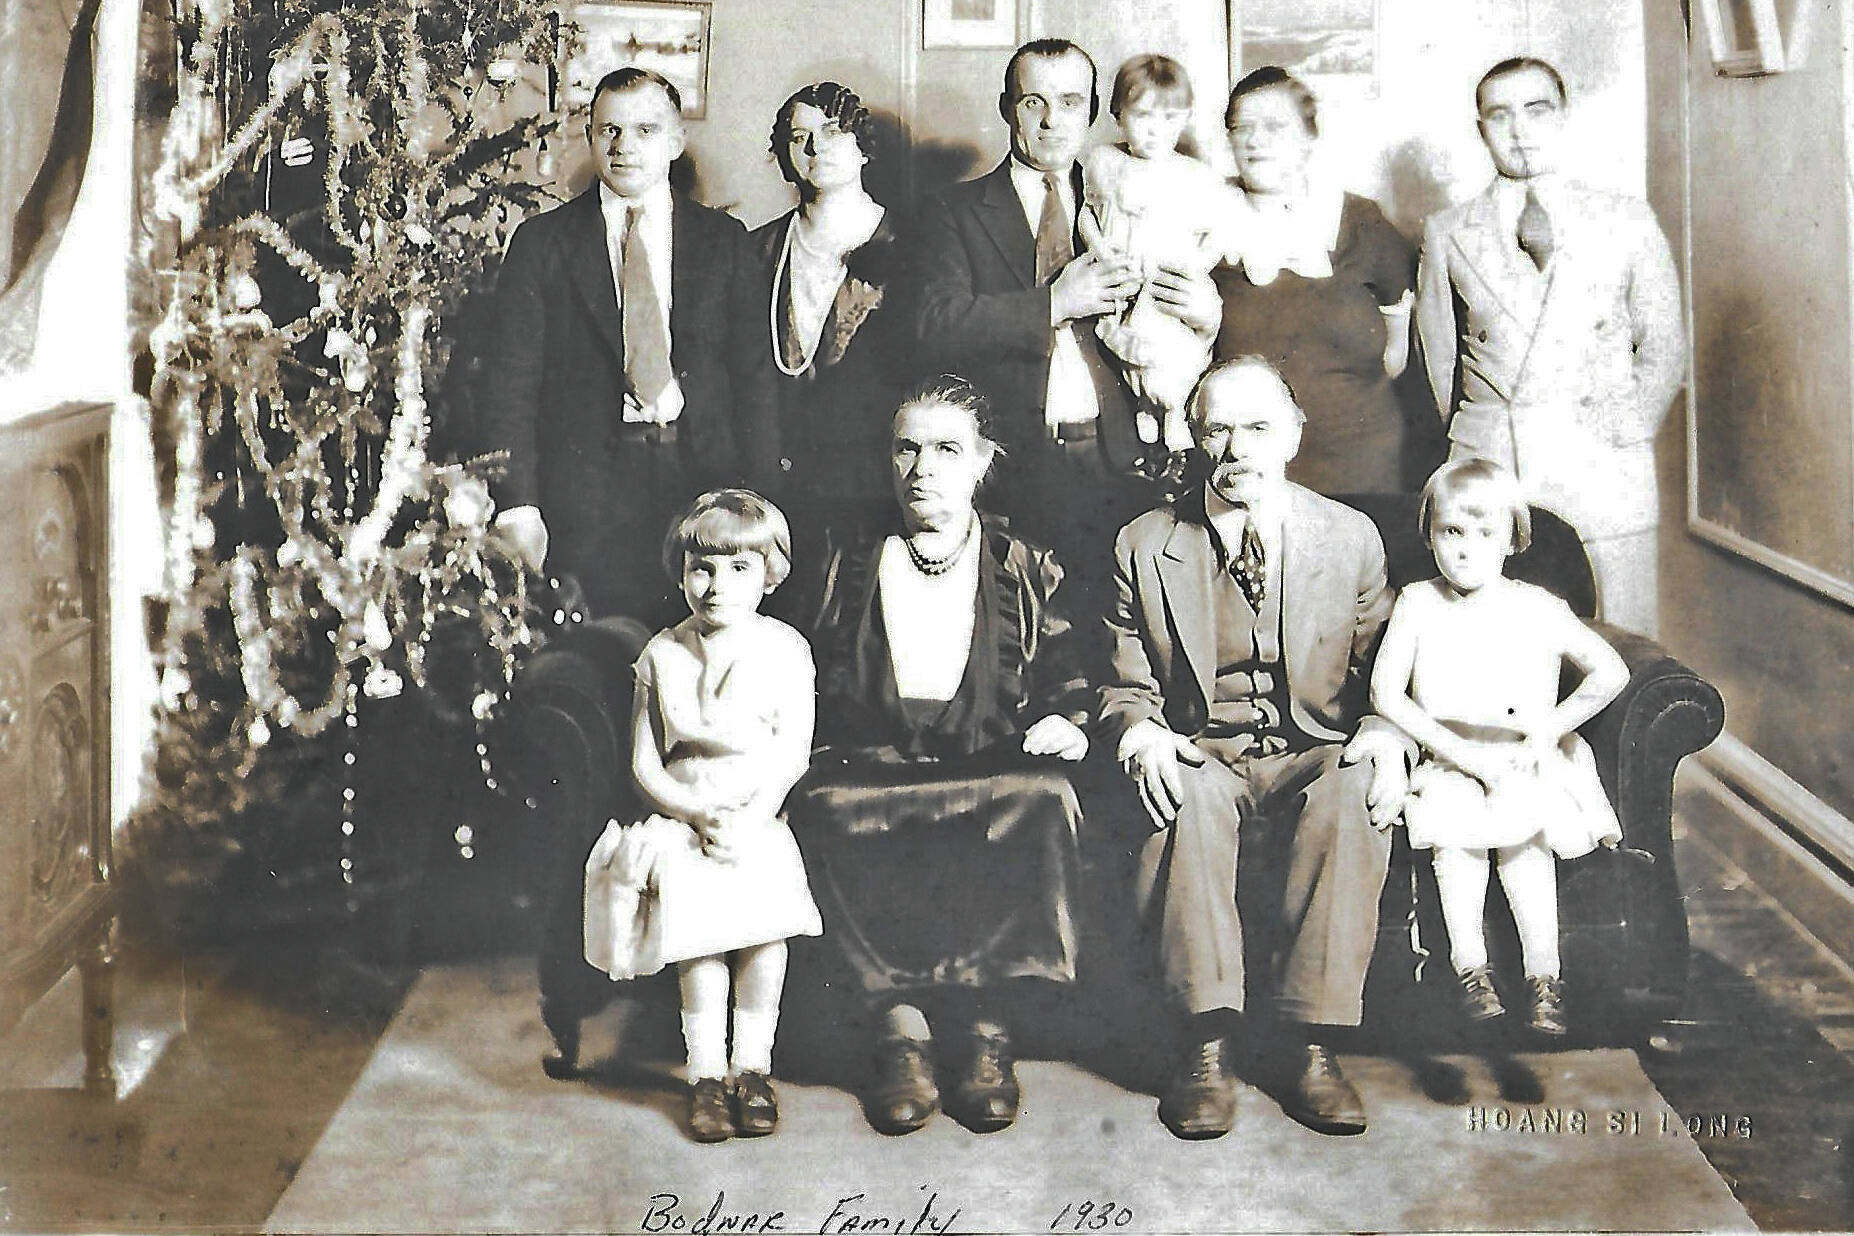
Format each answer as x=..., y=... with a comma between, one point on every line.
x=712, y=879
x=1469, y=668
x=1149, y=202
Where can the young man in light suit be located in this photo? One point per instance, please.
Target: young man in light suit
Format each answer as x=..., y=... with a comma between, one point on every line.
x=1550, y=320
x=1245, y=620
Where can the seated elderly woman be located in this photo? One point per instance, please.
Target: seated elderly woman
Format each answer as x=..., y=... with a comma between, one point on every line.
x=939, y=831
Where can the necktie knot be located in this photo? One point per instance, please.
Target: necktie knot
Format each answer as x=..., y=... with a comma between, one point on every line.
x=1534, y=230
x=1249, y=566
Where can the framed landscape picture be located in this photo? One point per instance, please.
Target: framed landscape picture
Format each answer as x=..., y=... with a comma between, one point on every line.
x=968, y=23
x=669, y=36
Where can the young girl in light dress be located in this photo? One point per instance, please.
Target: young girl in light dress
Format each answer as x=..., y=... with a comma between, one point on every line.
x=1146, y=200
x=1469, y=668
x=712, y=879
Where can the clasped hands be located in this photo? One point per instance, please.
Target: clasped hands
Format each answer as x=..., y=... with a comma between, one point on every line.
x=1152, y=755
x=718, y=821
x=1101, y=281
x=1495, y=764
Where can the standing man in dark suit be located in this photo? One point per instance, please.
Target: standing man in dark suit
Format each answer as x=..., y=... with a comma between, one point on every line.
x=1004, y=302
x=1245, y=621
x=620, y=378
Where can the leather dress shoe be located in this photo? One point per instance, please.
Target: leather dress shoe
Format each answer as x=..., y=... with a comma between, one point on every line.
x=1200, y=1100
x=1316, y=1093
x=1547, y=1017
x=902, y=1097
x=984, y=1098
x=709, y=1118
x=756, y=1107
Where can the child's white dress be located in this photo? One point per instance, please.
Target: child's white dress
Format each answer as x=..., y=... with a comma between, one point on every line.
x=1172, y=211
x=1484, y=664
x=652, y=896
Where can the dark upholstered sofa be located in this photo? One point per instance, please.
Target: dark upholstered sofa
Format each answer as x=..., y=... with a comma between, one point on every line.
x=564, y=742
x=1623, y=925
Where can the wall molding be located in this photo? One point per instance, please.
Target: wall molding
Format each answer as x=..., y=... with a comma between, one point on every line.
x=1787, y=803
x=1807, y=889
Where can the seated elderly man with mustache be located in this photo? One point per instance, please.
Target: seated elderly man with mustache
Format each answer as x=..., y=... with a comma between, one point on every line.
x=1245, y=620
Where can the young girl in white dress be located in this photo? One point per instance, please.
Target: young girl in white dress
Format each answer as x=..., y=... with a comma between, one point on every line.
x=1469, y=668
x=1148, y=201
x=712, y=880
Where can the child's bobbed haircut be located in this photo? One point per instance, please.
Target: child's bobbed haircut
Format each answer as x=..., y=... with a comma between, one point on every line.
x=1498, y=487
x=731, y=521
x=1150, y=74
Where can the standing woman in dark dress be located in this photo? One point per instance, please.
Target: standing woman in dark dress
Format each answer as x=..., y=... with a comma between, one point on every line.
x=1322, y=287
x=826, y=311
x=938, y=826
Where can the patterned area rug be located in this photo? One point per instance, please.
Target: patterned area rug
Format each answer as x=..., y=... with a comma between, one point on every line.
x=453, y=1127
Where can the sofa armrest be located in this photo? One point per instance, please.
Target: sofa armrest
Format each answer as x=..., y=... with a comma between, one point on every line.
x=1666, y=713
x=564, y=739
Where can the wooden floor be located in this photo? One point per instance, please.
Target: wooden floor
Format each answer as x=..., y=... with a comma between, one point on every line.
x=236, y=1067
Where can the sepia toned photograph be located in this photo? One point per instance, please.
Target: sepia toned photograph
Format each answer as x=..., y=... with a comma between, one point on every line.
x=926, y=616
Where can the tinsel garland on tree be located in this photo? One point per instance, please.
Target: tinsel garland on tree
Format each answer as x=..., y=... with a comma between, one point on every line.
x=315, y=546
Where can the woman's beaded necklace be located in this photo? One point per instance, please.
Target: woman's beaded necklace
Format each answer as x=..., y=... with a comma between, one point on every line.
x=938, y=566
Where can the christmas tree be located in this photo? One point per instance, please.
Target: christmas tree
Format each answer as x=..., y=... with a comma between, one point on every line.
x=335, y=181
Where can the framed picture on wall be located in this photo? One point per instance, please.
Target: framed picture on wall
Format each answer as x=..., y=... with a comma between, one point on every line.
x=669, y=36
x=969, y=23
x=1332, y=45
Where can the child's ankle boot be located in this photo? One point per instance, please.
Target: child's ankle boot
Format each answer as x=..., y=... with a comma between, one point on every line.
x=1479, y=1000
x=756, y=1107
x=709, y=1118
x=1547, y=992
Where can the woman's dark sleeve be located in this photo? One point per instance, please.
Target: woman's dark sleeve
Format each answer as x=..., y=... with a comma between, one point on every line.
x=1059, y=652
x=1389, y=257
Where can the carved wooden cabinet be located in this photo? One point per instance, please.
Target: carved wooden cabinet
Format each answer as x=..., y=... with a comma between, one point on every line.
x=56, y=904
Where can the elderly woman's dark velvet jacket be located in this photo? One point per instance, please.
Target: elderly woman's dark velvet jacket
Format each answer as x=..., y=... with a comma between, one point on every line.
x=941, y=855
x=1028, y=659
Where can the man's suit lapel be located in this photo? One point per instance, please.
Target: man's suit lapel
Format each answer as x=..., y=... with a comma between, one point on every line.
x=1495, y=257
x=688, y=264
x=1001, y=215
x=590, y=263
x=1565, y=307
x=1305, y=544
x=1187, y=564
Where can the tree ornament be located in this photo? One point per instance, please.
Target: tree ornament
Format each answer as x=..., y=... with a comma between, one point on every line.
x=382, y=683
x=244, y=291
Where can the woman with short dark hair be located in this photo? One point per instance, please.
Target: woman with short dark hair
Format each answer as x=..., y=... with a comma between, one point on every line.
x=939, y=830
x=823, y=315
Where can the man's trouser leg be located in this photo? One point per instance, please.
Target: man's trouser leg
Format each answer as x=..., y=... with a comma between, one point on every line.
x=1187, y=888
x=1310, y=839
